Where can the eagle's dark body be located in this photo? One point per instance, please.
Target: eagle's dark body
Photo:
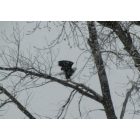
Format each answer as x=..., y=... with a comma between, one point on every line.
x=66, y=66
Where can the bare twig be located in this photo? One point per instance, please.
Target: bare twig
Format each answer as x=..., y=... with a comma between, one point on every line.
x=128, y=94
x=66, y=105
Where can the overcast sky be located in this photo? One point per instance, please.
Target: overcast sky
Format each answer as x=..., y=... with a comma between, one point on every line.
x=47, y=100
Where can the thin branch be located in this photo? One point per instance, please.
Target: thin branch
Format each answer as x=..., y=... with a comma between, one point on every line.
x=79, y=106
x=66, y=105
x=128, y=94
x=5, y=102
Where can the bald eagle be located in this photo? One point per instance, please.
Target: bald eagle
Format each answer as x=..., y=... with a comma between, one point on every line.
x=66, y=66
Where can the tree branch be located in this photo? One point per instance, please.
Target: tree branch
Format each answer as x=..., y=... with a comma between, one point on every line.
x=95, y=48
x=125, y=38
x=19, y=105
x=136, y=23
x=65, y=107
x=128, y=94
x=86, y=91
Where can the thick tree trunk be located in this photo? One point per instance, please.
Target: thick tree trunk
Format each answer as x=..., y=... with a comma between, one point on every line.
x=94, y=45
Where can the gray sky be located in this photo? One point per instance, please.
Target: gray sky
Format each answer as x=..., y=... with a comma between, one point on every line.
x=46, y=100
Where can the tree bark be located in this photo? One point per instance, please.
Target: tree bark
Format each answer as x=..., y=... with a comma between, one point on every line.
x=125, y=38
x=94, y=45
x=19, y=105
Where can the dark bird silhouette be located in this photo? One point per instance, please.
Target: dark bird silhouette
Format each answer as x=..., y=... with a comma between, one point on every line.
x=66, y=66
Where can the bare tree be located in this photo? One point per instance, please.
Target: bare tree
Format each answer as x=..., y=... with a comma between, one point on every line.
x=98, y=47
